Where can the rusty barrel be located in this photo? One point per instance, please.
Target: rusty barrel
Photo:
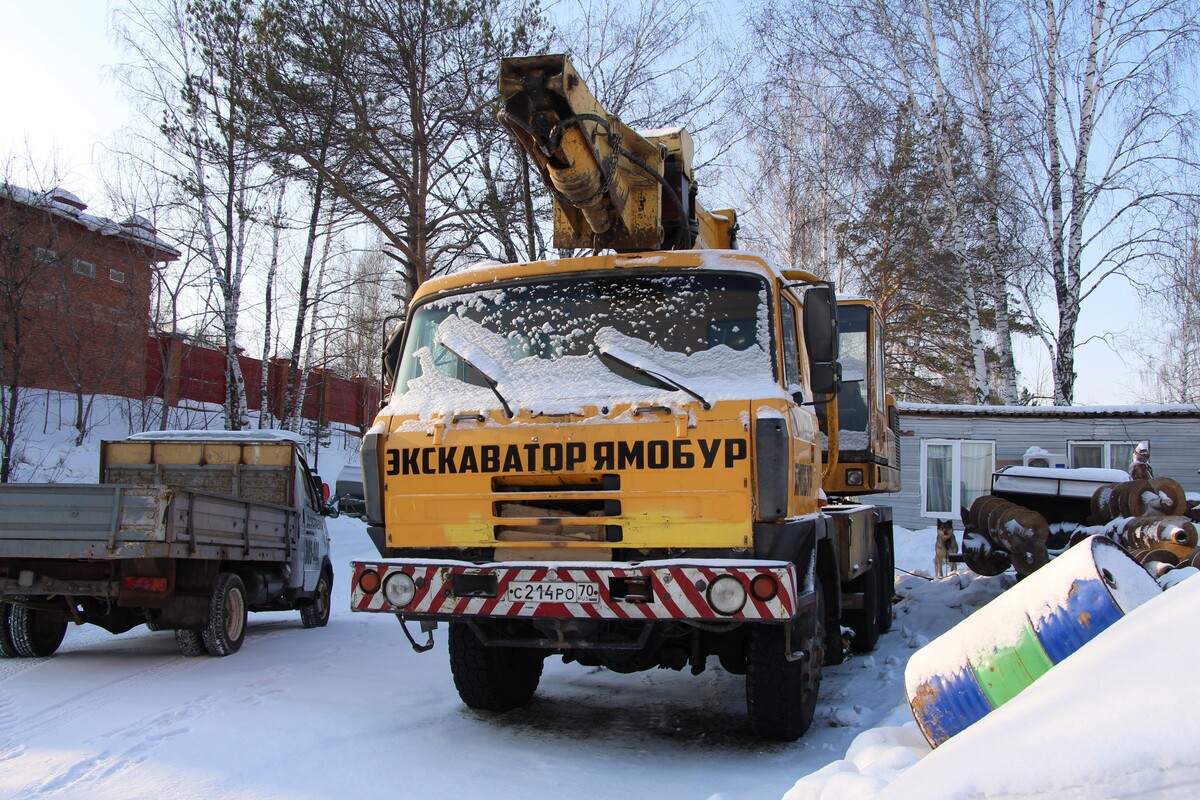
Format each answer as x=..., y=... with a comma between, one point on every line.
x=991, y=656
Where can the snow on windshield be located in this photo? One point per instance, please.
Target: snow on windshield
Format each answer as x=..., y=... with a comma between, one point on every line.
x=558, y=345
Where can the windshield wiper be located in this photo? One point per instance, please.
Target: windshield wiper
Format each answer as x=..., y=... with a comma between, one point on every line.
x=488, y=379
x=663, y=380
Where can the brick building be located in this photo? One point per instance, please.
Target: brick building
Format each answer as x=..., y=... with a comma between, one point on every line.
x=74, y=293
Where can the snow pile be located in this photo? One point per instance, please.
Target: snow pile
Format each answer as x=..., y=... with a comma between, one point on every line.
x=874, y=760
x=1086, y=729
x=1090, y=727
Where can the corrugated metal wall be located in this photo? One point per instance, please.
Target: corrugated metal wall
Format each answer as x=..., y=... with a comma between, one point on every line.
x=1174, y=446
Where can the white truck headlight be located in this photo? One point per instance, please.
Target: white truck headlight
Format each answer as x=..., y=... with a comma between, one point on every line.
x=727, y=595
x=399, y=589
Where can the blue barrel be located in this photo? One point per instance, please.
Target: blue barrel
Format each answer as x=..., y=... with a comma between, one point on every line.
x=993, y=655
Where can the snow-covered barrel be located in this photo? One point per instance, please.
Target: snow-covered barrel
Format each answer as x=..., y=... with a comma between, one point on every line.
x=990, y=657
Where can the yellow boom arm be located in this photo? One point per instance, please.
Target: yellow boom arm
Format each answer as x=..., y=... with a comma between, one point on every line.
x=613, y=187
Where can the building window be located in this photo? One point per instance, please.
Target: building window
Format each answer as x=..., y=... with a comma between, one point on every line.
x=1105, y=455
x=116, y=275
x=953, y=473
x=84, y=268
x=44, y=255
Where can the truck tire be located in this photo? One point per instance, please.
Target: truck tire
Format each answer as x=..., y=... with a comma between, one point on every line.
x=6, y=645
x=492, y=678
x=781, y=695
x=835, y=645
x=316, y=613
x=887, y=581
x=34, y=633
x=226, y=627
x=190, y=643
x=865, y=621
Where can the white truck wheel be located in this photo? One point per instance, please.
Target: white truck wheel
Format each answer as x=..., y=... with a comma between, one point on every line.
x=226, y=616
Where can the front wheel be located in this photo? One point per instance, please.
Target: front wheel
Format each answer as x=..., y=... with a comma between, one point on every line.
x=781, y=695
x=35, y=633
x=226, y=616
x=492, y=678
x=316, y=613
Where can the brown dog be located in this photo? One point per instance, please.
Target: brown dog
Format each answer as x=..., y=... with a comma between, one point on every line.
x=946, y=546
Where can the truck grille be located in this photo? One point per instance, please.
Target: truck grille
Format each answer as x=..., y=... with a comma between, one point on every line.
x=557, y=508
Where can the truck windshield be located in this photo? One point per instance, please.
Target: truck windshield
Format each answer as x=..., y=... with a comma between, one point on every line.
x=538, y=345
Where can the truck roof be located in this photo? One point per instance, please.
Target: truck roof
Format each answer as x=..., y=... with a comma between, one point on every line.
x=250, y=436
x=492, y=271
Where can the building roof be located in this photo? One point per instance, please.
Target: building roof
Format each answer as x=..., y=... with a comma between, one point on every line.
x=1141, y=410
x=61, y=203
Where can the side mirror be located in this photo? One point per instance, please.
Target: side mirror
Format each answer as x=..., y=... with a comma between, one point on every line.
x=820, y=324
x=826, y=377
x=330, y=510
x=390, y=356
x=325, y=492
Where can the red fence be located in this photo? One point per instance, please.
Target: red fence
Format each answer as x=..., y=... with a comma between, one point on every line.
x=178, y=371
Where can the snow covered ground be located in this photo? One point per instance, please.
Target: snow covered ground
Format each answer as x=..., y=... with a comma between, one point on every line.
x=350, y=710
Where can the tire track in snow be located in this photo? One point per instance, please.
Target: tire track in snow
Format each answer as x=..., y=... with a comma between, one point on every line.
x=9, y=719
x=131, y=746
x=58, y=714
x=55, y=716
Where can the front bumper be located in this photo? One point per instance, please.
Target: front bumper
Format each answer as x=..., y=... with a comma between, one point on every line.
x=650, y=590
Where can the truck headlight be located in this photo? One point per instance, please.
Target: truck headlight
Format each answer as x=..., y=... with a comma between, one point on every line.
x=727, y=595
x=854, y=477
x=399, y=589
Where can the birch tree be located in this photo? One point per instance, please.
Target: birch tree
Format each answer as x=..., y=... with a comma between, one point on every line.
x=182, y=78
x=980, y=36
x=888, y=57
x=1111, y=145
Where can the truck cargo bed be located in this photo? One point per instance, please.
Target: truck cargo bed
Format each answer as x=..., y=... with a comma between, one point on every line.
x=111, y=521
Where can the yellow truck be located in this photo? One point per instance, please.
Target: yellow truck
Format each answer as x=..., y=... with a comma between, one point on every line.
x=619, y=458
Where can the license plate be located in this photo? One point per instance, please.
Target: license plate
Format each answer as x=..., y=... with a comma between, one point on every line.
x=552, y=592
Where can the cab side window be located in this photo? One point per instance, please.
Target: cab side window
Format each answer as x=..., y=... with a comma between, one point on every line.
x=791, y=347
x=306, y=486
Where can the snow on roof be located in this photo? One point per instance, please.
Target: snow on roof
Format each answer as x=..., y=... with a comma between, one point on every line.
x=949, y=410
x=61, y=195
x=62, y=203
x=268, y=435
x=138, y=221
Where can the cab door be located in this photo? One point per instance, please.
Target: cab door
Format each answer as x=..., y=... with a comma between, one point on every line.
x=802, y=422
x=314, y=540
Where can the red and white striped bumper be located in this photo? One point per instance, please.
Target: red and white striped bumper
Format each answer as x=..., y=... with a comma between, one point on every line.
x=664, y=590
